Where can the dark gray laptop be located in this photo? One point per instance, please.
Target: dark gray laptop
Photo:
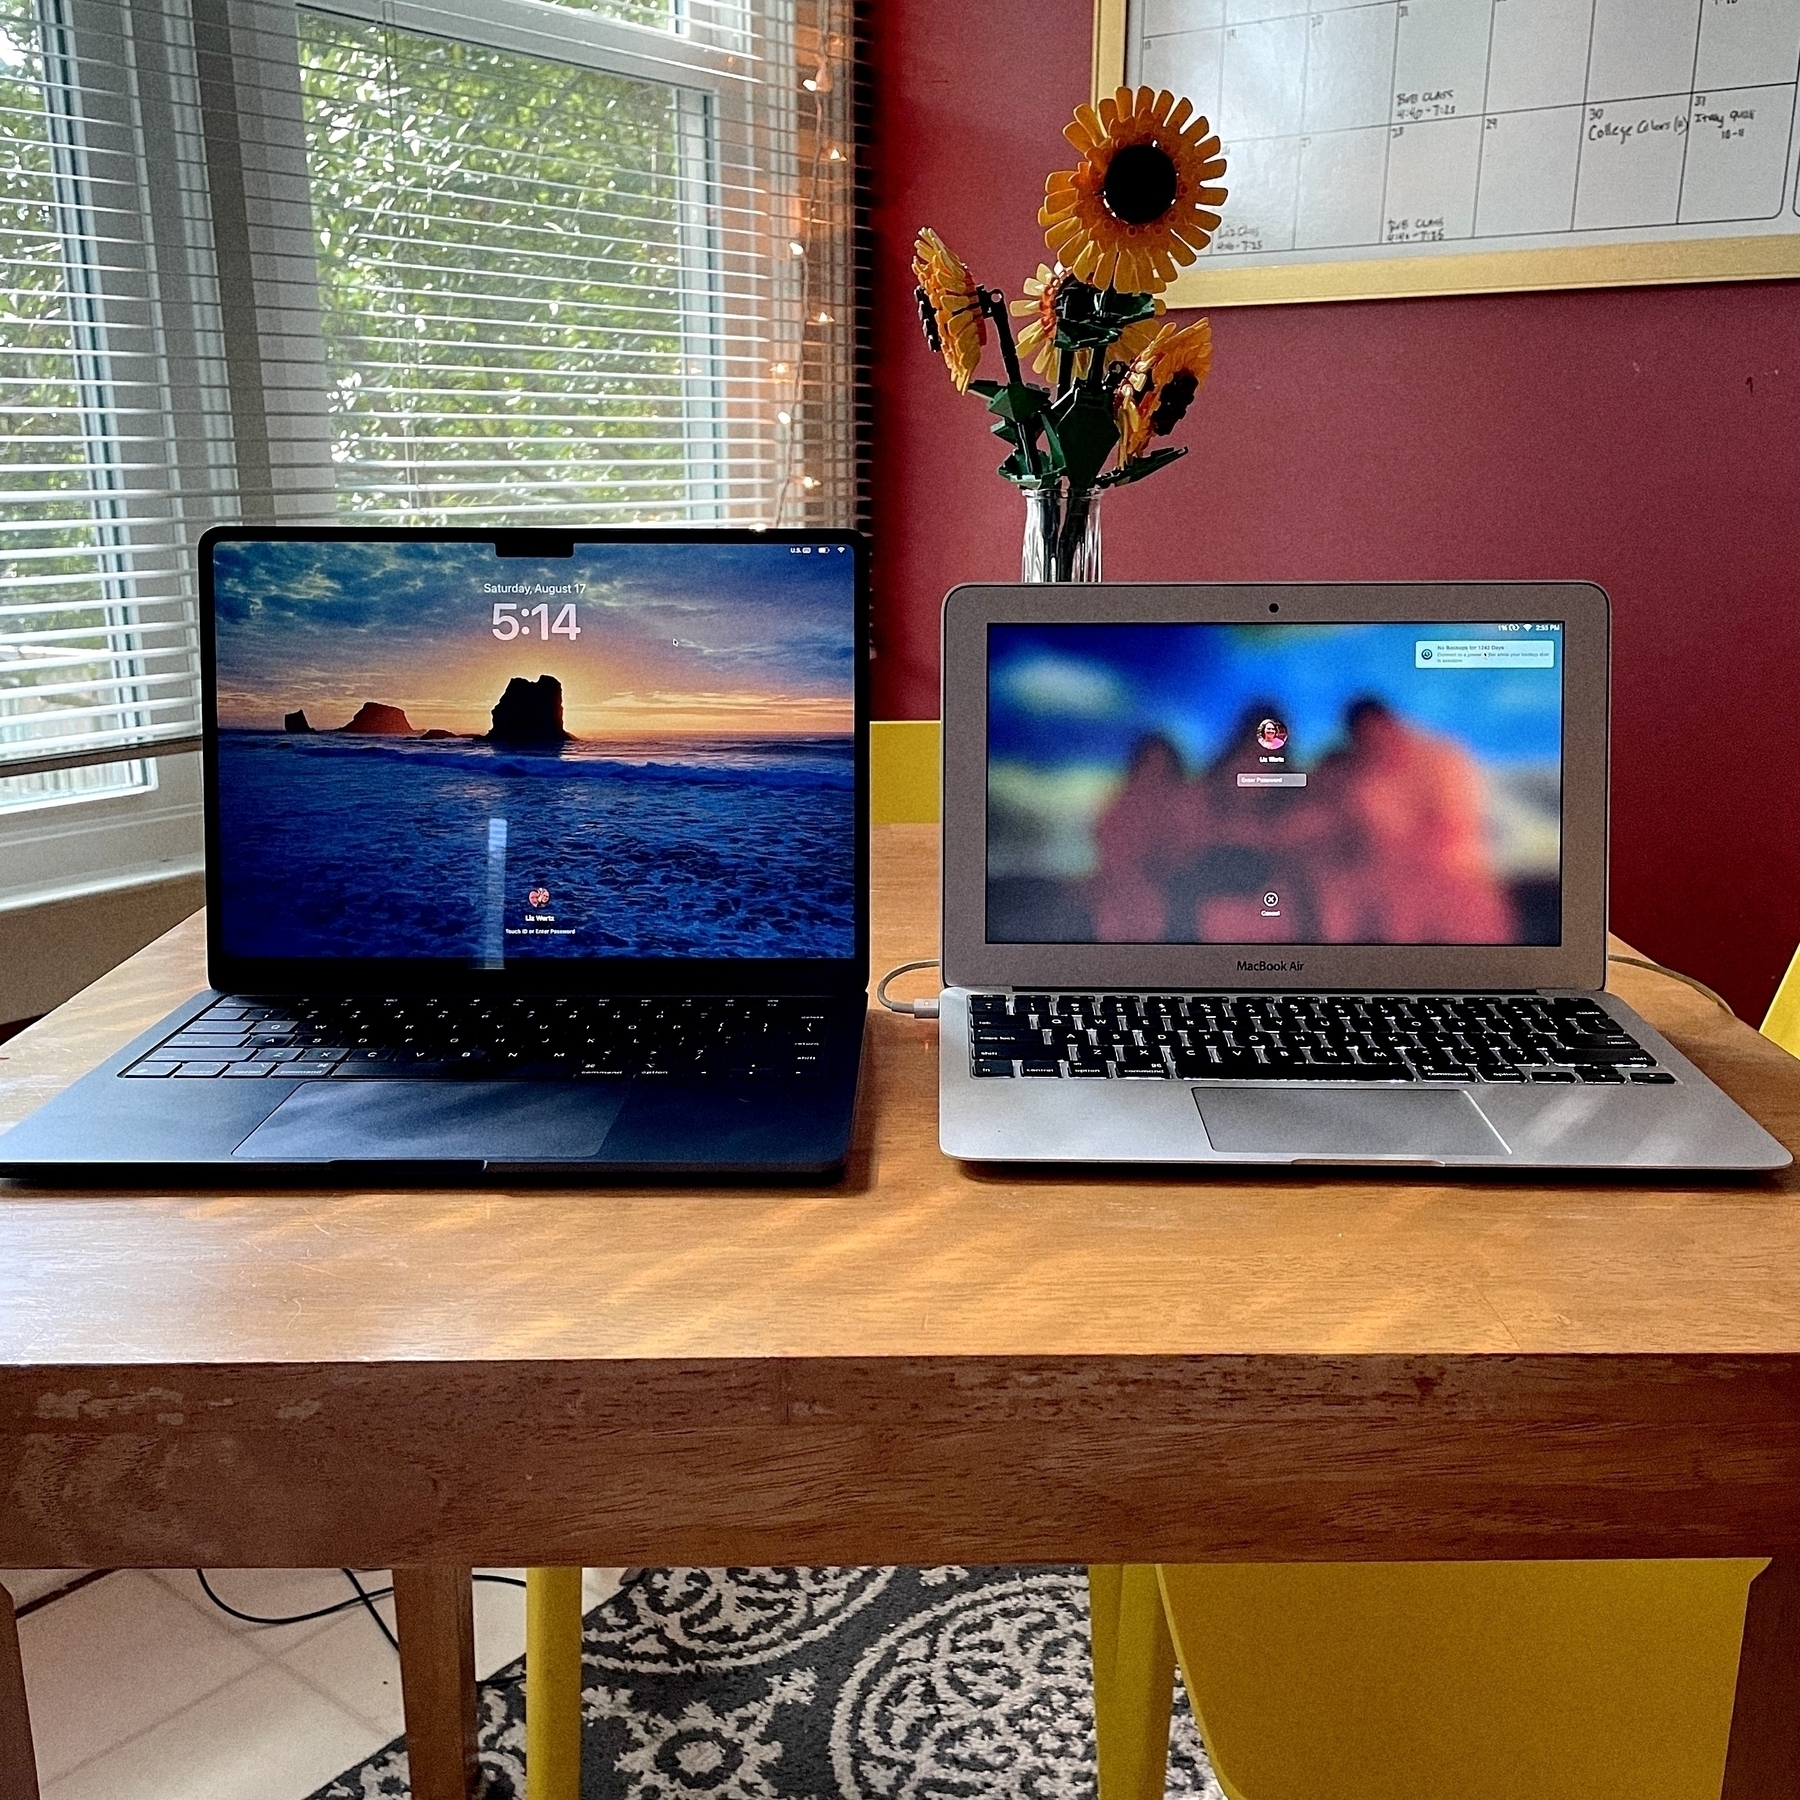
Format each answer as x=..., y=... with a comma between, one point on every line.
x=1294, y=874
x=537, y=853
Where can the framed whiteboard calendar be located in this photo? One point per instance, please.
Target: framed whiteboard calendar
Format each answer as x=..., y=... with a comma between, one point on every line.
x=1389, y=147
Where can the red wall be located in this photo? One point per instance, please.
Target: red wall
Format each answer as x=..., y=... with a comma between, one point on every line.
x=1646, y=439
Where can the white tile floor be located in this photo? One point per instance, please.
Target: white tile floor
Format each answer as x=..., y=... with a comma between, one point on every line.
x=141, y=1689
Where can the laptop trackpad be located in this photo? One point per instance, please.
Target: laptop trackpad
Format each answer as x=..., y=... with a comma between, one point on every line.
x=1423, y=1123
x=437, y=1121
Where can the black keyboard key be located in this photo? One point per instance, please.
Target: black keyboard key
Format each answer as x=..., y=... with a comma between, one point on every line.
x=198, y=1071
x=1660, y=1077
x=988, y=1066
x=756, y=1070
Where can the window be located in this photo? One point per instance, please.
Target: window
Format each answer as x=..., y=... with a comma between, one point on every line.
x=411, y=260
x=516, y=277
x=573, y=261
x=103, y=473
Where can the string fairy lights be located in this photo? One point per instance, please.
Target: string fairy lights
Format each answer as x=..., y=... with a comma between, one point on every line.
x=822, y=231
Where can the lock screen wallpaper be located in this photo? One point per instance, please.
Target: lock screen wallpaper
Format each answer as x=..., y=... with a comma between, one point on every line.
x=1322, y=784
x=428, y=751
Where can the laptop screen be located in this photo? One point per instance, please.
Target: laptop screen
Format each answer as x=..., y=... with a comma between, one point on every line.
x=429, y=752
x=1363, y=784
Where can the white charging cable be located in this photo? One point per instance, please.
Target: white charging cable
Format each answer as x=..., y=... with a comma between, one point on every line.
x=913, y=1009
x=1656, y=968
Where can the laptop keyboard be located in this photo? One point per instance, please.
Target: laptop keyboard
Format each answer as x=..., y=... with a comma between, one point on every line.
x=469, y=1039
x=1303, y=1037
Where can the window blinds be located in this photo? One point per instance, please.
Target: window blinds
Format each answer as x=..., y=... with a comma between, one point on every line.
x=114, y=454
x=466, y=260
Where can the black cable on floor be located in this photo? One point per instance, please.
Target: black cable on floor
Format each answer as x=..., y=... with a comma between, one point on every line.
x=360, y=1598
x=368, y=1600
x=364, y=1597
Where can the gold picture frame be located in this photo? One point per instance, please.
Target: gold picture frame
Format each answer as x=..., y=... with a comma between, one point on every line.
x=1769, y=257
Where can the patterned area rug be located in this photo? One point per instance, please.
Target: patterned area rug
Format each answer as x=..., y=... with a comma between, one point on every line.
x=822, y=1684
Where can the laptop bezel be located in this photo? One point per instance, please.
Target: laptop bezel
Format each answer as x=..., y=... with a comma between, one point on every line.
x=1577, y=962
x=231, y=973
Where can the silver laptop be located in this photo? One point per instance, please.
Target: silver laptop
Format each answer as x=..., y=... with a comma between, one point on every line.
x=1293, y=874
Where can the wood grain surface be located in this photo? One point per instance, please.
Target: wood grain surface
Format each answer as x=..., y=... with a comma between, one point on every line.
x=434, y=1618
x=922, y=1361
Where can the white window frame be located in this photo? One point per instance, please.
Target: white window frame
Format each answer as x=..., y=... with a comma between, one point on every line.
x=741, y=285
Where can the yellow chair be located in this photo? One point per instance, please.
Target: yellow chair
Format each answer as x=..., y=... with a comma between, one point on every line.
x=1782, y=1021
x=1354, y=1681
x=1424, y=1681
x=903, y=771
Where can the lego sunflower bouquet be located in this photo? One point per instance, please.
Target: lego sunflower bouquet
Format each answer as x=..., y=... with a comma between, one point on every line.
x=1114, y=374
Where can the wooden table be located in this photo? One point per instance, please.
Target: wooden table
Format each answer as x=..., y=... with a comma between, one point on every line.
x=925, y=1362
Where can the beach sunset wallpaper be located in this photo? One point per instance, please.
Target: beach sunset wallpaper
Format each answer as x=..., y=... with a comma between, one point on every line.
x=428, y=751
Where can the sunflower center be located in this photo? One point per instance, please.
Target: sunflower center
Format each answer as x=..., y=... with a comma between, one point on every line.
x=1172, y=403
x=1140, y=184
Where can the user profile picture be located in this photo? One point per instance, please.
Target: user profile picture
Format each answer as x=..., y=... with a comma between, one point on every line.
x=539, y=896
x=1271, y=734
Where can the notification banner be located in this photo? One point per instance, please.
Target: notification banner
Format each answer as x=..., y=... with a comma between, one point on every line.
x=1485, y=653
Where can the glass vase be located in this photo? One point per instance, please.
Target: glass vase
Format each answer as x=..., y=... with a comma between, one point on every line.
x=1062, y=533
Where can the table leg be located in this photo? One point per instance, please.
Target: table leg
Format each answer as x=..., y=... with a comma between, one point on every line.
x=18, y=1761
x=1763, y=1762
x=434, y=1611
